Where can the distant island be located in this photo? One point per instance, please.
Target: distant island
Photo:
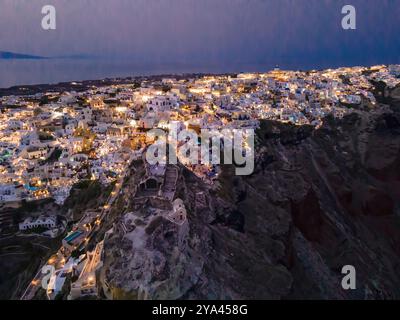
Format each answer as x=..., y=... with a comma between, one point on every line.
x=6, y=55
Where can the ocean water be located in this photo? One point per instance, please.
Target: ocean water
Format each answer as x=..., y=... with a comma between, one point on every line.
x=25, y=72
x=49, y=71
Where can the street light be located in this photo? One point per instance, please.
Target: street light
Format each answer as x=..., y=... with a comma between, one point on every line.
x=35, y=282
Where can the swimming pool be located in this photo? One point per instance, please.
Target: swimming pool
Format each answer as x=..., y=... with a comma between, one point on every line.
x=73, y=236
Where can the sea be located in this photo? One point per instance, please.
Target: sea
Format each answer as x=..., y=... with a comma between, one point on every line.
x=19, y=72
x=50, y=71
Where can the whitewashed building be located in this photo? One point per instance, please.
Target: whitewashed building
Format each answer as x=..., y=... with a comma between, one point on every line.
x=42, y=221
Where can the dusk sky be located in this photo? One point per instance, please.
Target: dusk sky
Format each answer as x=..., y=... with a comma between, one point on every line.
x=293, y=33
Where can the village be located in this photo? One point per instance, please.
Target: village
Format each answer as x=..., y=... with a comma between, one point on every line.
x=51, y=141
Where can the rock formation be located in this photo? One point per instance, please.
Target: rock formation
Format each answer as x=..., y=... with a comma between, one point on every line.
x=317, y=200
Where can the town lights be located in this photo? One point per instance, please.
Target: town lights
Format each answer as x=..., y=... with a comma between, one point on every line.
x=121, y=109
x=35, y=282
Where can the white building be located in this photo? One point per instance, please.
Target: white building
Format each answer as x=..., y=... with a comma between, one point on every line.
x=70, y=128
x=85, y=114
x=42, y=221
x=178, y=213
x=9, y=193
x=86, y=285
x=160, y=104
x=394, y=69
x=32, y=153
x=56, y=283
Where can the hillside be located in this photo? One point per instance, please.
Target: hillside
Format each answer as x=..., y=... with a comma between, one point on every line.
x=318, y=200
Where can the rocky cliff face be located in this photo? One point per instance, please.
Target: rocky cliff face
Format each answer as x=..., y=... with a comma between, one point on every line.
x=318, y=200
x=148, y=255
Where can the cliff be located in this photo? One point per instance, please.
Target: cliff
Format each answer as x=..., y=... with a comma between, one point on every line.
x=317, y=200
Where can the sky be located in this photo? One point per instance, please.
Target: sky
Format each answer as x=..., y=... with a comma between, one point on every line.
x=293, y=33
